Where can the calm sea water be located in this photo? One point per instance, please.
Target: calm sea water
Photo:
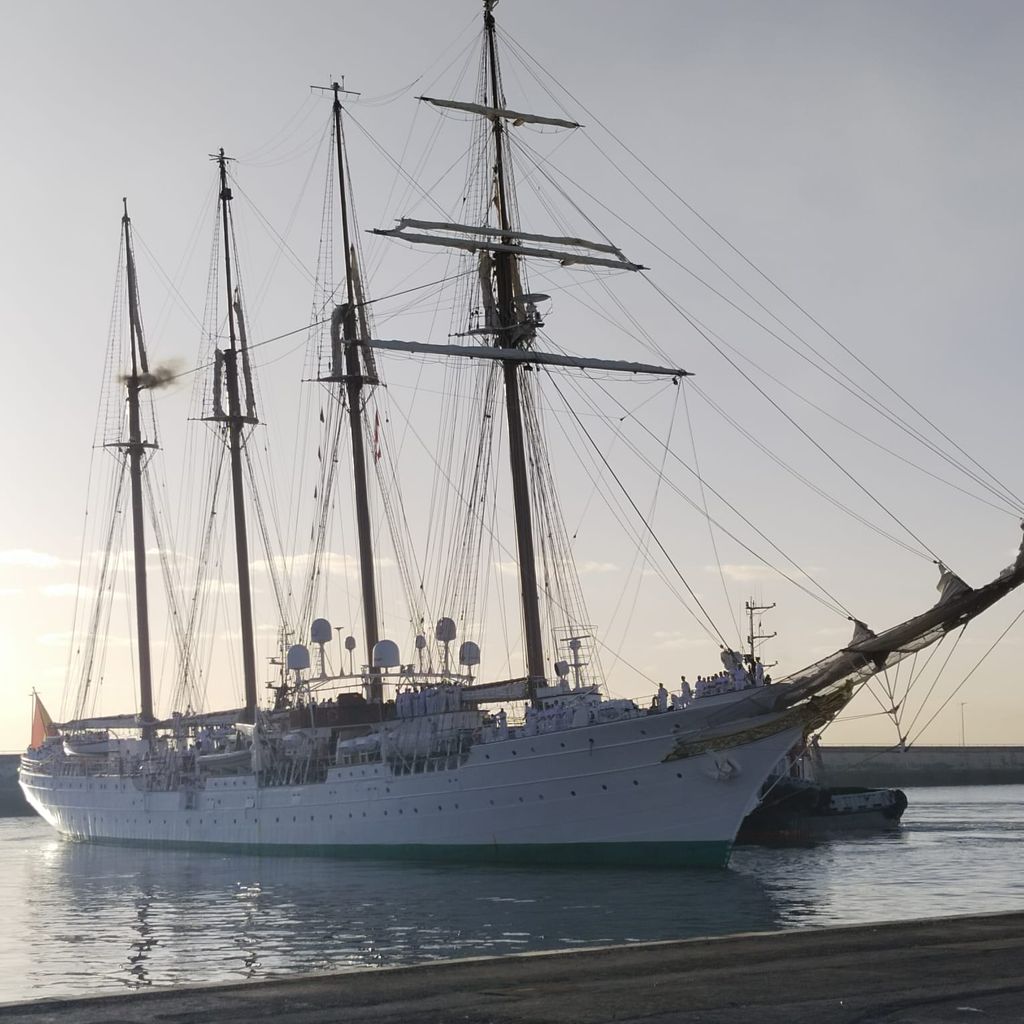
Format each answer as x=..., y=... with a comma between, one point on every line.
x=81, y=918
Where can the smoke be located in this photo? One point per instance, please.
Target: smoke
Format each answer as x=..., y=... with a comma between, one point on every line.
x=160, y=376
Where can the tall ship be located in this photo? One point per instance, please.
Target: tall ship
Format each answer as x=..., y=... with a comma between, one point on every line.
x=428, y=757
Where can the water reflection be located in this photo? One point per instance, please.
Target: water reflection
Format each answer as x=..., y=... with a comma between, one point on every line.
x=188, y=916
x=98, y=918
x=139, y=948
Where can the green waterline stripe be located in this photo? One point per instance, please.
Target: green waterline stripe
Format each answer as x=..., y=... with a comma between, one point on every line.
x=705, y=854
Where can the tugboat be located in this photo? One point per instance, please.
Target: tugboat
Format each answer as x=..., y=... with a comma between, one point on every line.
x=795, y=808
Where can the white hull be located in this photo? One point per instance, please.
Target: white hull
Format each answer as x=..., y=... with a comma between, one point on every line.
x=603, y=792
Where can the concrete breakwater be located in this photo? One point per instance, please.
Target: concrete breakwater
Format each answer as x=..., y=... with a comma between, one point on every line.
x=922, y=766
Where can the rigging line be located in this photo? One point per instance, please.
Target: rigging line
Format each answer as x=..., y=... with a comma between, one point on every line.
x=809, y=484
x=172, y=287
x=525, y=55
x=642, y=552
x=299, y=150
x=707, y=515
x=916, y=676
x=284, y=133
x=1006, y=507
x=296, y=261
x=431, y=453
x=643, y=520
x=398, y=168
x=935, y=681
x=851, y=387
x=835, y=462
x=836, y=605
x=467, y=49
x=995, y=643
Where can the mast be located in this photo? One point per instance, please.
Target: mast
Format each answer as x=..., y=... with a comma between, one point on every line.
x=504, y=264
x=236, y=422
x=354, y=379
x=752, y=608
x=136, y=449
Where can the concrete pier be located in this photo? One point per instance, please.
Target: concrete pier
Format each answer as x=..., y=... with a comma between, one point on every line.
x=951, y=969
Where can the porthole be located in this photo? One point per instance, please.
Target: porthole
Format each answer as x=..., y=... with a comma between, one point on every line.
x=603, y=786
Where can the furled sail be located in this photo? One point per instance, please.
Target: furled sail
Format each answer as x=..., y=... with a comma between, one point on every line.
x=870, y=653
x=566, y=259
x=515, y=116
x=528, y=236
x=522, y=355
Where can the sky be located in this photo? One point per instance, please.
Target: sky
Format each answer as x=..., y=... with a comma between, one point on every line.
x=865, y=156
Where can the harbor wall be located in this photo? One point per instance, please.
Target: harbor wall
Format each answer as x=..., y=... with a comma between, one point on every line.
x=12, y=800
x=922, y=766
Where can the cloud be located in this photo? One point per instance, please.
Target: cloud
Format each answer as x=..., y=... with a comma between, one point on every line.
x=588, y=567
x=30, y=559
x=674, y=640
x=66, y=590
x=743, y=573
x=63, y=639
x=332, y=563
x=511, y=568
x=54, y=639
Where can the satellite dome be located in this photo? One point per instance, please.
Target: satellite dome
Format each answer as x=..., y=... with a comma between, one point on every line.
x=421, y=641
x=320, y=631
x=469, y=653
x=445, y=631
x=298, y=657
x=350, y=643
x=386, y=655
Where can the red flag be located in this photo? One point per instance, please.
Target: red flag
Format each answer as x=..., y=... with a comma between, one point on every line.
x=42, y=724
x=376, y=437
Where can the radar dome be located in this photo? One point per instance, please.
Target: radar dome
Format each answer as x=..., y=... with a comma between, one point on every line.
x=469, y=653
x=445, y=630
x=350, y=643
x=386, y=655
x=421, y=641
x=320, y=631
x=298, y=657
x=561, y=669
